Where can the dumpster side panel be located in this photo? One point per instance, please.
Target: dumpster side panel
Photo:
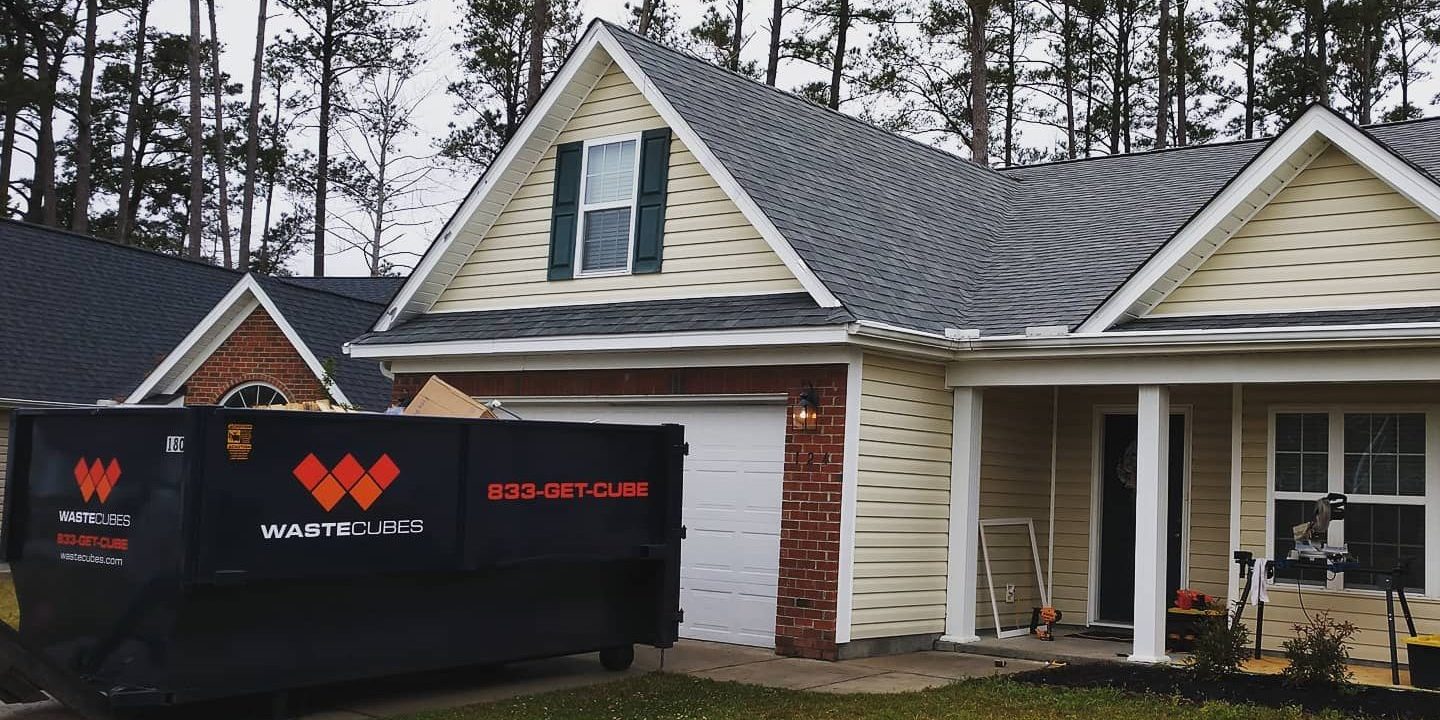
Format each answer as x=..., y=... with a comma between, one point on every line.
x=95, y=536
x=289, y=495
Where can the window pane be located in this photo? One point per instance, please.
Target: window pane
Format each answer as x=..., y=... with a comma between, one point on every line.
x=1287, y=471
x=606, y=243
x=1375, y=463
x=1287, y=432
x=1315, y=472
x=1317, y=432
x=610, y=172
x=1379, y=536
x=1289, y=513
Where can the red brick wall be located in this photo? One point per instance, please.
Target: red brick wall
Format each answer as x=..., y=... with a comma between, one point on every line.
x=810, y=509
x=257, y=351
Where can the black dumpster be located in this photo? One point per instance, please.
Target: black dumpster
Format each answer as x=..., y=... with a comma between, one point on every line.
x=168, y=555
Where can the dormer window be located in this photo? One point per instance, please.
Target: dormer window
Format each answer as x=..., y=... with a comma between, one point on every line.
x=607, y=205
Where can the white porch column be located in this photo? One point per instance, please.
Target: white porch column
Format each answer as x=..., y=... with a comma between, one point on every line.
x=1152, y=474
x=960, y=585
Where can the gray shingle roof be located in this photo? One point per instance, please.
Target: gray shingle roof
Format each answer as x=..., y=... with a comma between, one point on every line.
x=733, y=313
x=892, y=227
x=82, y=319
x=370, y=289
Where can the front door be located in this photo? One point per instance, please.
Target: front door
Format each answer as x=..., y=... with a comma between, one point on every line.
x=1115, y=601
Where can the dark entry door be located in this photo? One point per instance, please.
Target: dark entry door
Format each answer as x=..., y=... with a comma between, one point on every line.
x=1116, y=598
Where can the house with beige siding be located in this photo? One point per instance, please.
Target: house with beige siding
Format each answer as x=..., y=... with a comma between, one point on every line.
x=925, y=397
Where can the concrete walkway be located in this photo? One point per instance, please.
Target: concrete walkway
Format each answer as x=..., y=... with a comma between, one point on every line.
x=436, y=691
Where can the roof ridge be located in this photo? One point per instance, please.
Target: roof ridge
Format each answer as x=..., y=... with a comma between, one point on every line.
x=111, y=243
x=286, y=280
x=791, y=97
x=1202, y=146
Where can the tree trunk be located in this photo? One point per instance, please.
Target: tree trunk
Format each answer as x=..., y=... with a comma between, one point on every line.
x=539, y=26
x=837, y=68
x=322, y=164
x=1319, y=33
x=772, y=64
x=221, y=169
x=1182, y=75
x=979, y=105
x=1067, y=42
x=647, y=8
x=1162, y=114
x=42, y=190
x=197, y=138
x=80, y=214
x=270, y=179
x=377, y=240
x=14, y=70
x=252, y=140
x=738, y=36
x=1010, y=82
x=1251, y=40
x=127, y=159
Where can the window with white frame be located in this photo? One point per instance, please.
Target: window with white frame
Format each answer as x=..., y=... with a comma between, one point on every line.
x=1379, y=459
x=607, y=205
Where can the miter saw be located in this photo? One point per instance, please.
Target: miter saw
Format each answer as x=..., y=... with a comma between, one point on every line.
x=1310, y=537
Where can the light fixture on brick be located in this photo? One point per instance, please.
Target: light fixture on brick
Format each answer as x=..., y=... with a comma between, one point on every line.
x=805, y=411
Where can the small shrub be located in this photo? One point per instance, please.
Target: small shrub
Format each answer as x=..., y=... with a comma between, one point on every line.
x=1220, y=649
x=1319, y=652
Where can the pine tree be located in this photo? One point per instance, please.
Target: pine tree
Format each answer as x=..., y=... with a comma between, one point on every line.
x=1415, y=30
x=252, y=137
x=494, y=55
x=1362, y=76
x=1256, y=24
x=340, y=39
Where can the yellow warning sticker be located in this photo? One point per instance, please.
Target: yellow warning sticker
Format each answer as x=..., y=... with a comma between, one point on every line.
x=238, y=440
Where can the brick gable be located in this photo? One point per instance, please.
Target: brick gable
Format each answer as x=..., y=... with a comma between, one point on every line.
x=256, y=351
x=812, y=483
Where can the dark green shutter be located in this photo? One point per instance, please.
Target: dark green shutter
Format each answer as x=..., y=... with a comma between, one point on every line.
x=650, y=205
x=565, y=211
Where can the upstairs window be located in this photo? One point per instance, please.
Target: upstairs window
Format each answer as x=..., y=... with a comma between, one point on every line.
x=607, y=205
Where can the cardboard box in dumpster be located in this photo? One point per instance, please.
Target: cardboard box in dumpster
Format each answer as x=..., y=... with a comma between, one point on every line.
x=439, y=398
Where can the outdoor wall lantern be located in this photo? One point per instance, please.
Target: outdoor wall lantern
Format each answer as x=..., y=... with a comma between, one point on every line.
x=806, y=408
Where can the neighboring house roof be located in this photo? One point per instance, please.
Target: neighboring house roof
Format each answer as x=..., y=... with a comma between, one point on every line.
x=83, y=319
x=370, y=289
x=730, y=313
x=911, y=236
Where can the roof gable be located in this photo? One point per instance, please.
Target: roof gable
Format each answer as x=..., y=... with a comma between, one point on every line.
x=1246, y=196
x=572, y=84
x=1335, y=238
x=711, y=248
x=316, y=323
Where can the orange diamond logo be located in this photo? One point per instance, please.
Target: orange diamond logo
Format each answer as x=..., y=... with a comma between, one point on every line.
x=330, y=485
x=96, y=479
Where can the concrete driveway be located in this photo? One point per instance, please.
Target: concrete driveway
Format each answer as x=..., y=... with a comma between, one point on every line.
x=433, y=691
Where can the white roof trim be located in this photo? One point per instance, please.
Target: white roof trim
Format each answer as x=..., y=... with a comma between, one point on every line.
x=1265, y=176
x=619, y=342
x=443, y=260
x=212, y=331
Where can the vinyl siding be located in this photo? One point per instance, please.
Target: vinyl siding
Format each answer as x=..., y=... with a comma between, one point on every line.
x=903, y=495
x=709, y=247
x=1366, y=610
x=1209, y=490
x=1014, y=483
x=1335, y=237
x=4, y=451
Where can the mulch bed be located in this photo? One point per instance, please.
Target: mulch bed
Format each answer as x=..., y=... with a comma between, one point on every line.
x=1268, y=690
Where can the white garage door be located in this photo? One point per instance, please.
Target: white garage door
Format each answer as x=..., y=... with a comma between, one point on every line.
x=730, y=561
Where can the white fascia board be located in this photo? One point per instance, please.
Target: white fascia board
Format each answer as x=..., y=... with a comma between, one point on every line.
x=486, y=189
x=213, y=330
x=778, y=355
x=717, y=170
x=1142, y=341
x=607, y=343
x=1407, y=365
x=1317, y=121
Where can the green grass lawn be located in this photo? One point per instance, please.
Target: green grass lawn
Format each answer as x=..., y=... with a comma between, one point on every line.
x=661, y=696
x=9, y=609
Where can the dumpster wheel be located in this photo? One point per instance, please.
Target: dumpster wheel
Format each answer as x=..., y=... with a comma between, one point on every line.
x=617, y=658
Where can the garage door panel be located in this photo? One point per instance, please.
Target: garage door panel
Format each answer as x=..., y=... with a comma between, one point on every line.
x=732, y=496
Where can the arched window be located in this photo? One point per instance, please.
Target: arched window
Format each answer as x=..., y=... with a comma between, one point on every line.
x=253, y=394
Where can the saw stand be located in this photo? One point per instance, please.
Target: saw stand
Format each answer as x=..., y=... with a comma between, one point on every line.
x=1393, y=580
